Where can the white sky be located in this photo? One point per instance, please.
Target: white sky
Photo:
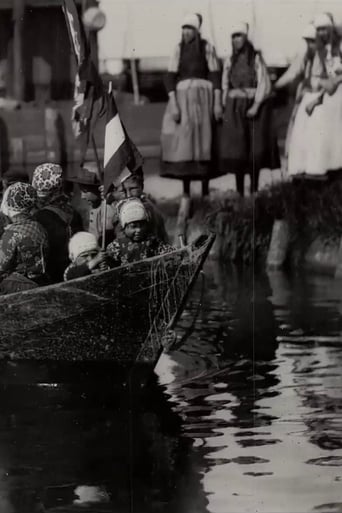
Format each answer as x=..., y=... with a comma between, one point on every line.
x=151, y=28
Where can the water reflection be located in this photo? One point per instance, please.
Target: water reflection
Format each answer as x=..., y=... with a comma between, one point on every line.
x=265, y=415
x=246, y=415
x=99, y=449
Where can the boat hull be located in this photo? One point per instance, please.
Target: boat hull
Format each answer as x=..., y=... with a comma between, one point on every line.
x=118, y=315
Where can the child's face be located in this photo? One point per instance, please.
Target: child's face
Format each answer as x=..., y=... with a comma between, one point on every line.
x=90, y=196
x=136, y=231
x=133, y=188
x=86, y=257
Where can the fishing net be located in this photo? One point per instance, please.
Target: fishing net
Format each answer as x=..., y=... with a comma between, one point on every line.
x=171, y=282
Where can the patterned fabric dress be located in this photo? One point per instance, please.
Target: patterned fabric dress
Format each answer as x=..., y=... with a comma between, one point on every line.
x=187, y=147
x=23, y=255
x=123, y=251
x=247, y=144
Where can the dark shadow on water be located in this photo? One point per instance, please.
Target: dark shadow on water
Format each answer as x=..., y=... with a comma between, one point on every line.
x=107, y=445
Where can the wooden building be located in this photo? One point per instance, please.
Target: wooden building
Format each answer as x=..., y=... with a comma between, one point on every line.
x=36, y=63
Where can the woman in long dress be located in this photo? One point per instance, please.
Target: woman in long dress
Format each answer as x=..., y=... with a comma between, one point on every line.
x=194, y=89
x=299, y=72
x=315, y=144
x=248, y=142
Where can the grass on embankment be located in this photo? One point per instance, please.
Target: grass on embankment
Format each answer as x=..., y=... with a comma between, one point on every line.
x=244, y=227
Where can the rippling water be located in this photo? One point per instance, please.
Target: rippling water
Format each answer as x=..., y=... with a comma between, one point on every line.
x=246, y=416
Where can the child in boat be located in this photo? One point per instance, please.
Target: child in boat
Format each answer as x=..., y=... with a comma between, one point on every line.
x=85, y=255
x=138, y=241
x=132, y=186
x=24, y=243
x=94, y=219
x=56, y=215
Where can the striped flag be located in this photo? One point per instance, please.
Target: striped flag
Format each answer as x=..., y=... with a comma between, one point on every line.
x=120, y=154
x=88, y=92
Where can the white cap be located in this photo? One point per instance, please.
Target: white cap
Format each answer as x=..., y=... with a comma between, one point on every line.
x=94, y=19
x=191, y=20
x=323, y=20
x=132, y=210
x=309, y=32
x=80, y=243
x=239, y=27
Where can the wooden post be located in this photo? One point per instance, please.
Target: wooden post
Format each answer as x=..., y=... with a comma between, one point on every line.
x=220, y=223
x=182, y=220
x=42, y=79
x=135, y=82
x=52, y=139
x=279, y=245
x=18, y=71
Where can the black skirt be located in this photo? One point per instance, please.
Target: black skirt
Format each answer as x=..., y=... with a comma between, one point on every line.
x=247, y=144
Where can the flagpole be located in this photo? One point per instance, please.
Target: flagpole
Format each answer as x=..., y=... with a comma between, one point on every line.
x=104, y=202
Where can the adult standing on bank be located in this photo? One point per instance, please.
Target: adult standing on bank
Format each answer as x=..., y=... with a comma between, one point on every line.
x=315, y=144
x=248, y=142
x=194, y=89
x=299, y=72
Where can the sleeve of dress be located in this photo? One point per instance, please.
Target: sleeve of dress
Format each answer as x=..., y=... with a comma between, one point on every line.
x=294, y=71
x=113, y=252
x=263, y=80
x=76, y=271
x=165, y=248
x=172, y=72
x=8, y=249
x=213, y=66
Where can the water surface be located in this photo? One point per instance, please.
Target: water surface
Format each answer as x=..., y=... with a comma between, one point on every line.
x=245, y=416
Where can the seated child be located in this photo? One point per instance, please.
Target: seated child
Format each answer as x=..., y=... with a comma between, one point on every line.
x=85, y=255
x=94, y=223
x=137, y=241
x=24, y=243
x=132, y=186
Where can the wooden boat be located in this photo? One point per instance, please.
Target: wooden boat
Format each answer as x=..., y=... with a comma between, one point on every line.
x=120, y=315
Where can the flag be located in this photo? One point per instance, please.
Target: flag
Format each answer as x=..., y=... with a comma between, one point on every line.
x=120, y=154
x=88, y=92
x=91, y=103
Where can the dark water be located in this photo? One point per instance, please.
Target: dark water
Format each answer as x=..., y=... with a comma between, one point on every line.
x=245, y=416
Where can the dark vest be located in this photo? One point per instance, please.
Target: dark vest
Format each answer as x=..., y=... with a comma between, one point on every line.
x=242, y=72
x=193, y=62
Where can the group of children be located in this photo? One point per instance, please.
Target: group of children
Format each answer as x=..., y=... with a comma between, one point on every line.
x=41, y=232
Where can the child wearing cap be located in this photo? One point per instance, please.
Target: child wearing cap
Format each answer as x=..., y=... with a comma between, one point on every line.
x=137, y=241
x=24, y=243
x=85, y=255
x=56, y=215
x=91, y=194
x=132, y=186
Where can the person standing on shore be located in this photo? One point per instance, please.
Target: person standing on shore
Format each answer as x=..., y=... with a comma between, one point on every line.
x=315, y=144
x=194, y=89
x=247, y=142
x=299, y=72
